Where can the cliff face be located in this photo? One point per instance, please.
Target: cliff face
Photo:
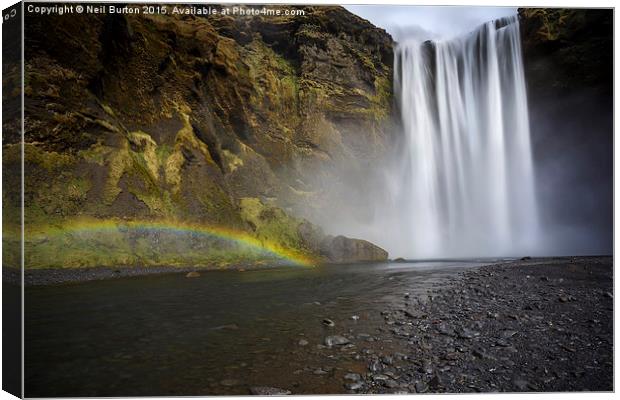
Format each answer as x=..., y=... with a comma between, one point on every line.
x=567, y=50
x=180, y=118
x=568, y=57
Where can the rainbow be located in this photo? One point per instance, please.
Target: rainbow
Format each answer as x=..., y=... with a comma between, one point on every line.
x=271, y=249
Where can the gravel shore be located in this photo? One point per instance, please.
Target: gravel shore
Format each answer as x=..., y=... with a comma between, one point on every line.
x=533, y=325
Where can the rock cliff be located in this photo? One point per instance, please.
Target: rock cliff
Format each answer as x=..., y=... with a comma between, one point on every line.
x=567, y=50
x=213, y=121
x=568, y=57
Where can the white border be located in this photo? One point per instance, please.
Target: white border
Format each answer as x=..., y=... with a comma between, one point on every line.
x=540, y=3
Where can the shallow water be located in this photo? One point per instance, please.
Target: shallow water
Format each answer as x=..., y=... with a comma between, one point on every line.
x=220, y=333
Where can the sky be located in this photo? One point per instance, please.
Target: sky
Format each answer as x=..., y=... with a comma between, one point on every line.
x=428, y=22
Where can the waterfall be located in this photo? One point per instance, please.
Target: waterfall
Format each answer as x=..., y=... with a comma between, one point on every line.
x=467, y=179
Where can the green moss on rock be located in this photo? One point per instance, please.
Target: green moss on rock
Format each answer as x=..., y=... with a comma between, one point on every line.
x=270, y=223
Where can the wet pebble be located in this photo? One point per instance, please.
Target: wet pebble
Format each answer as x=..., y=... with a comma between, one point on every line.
x=380, y=377
x=354, y=385
x=506, y=334
x=352, y=377
x=465, y=333
x=520, y=384
x=421, y=387
x=268, y=391
x=336, y=340
x=390, y=383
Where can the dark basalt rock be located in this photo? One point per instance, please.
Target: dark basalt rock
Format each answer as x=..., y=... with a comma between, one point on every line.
x=341, y=249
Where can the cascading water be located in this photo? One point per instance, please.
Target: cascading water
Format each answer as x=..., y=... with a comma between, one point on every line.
x=466, y=178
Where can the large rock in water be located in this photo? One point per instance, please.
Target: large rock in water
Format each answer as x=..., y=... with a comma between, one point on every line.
x=342, y=249
x=339, y=249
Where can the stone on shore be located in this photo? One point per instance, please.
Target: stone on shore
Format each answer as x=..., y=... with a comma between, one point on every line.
x=268, y=391
x=336, y=340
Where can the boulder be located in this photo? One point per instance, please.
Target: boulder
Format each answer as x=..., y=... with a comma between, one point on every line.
x=341, y=249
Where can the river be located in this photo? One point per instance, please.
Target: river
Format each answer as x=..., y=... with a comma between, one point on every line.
x=220, y=333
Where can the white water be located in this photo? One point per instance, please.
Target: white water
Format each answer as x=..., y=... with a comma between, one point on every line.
x=465, y=184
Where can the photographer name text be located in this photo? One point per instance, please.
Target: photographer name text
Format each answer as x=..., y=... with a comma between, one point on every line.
x=160, y=10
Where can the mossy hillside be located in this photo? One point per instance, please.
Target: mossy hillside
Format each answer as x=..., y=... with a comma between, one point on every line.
x=356, y=80
x=275, y=83
x=52, y=240
x=136, y=164
x=59, y=188
x=149, y=118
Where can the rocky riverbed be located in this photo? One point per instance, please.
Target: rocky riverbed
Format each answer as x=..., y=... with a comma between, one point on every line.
x=533, y=325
